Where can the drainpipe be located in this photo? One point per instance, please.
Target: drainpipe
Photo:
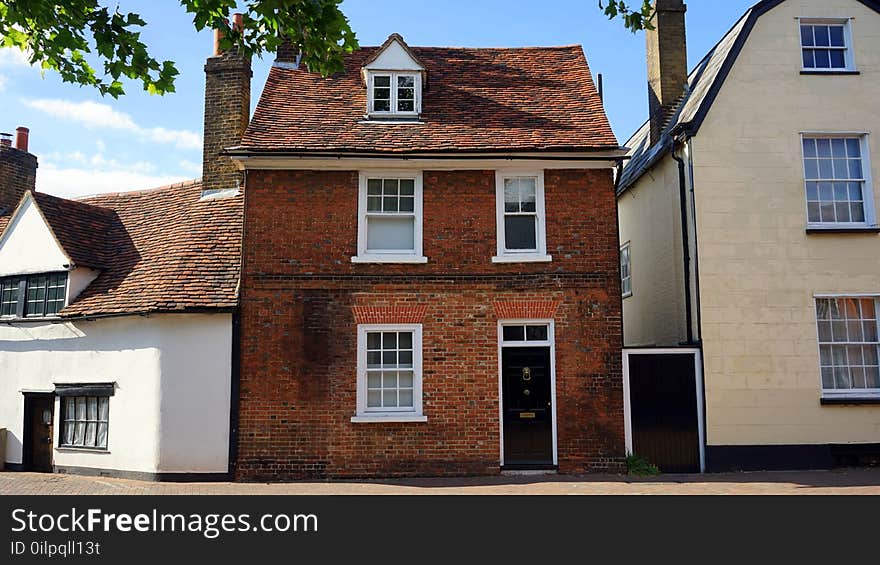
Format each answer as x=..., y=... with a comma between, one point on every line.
x=685, y=244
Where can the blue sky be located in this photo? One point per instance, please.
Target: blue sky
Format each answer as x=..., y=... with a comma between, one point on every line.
x=87, y=144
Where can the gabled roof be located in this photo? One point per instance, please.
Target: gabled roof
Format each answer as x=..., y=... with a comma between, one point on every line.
x=160, y=250
x=704, y=84
x=82, y=230
x=523, y=99
x=393, y=38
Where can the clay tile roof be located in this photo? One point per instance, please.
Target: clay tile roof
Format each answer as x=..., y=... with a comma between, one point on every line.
x=82, y=230
x=478, y=100
x=159, y=250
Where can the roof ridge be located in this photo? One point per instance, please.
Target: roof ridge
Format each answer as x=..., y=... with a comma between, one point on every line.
x=180, y=184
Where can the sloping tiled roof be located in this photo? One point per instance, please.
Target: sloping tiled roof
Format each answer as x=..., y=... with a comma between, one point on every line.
x=168, y=251
x=476, y=100
x=159, y=250
x=82, y=230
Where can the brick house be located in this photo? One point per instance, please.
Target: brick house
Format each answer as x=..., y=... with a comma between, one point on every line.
x=430, y=266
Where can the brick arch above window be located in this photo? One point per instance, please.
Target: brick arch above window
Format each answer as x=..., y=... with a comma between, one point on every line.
x=526, y=309
x=397, y=314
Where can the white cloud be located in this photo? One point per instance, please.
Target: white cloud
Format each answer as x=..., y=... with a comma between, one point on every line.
x=94, y=115
x=72, y=182
x=11, y=59
x=75, y=173
x=190, y=167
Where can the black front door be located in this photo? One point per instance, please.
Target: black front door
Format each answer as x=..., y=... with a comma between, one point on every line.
x=38, y=419
x=528, y=415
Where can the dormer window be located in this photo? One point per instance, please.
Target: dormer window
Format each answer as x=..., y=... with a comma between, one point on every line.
x=33, y=296
x=394, y=77
x=394, y=93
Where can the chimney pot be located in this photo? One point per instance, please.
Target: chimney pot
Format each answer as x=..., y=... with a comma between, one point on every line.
x=238, y=22
x=6, y=139
x=21, y=138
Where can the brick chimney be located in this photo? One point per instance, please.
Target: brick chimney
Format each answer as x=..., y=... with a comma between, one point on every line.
x=227, y=110
x=18, y=169
x=667, y=62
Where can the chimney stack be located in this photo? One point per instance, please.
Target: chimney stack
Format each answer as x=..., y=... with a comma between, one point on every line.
x=227, y=111
x=667, y=62
x=18, y=169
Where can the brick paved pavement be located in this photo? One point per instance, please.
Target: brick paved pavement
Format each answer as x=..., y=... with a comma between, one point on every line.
x=844, y=481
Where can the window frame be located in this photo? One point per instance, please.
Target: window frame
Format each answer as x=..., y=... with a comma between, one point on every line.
x=848, y=49
x=831, y=394
x=24, y=282
x=394, y=255
x=867, y=188
x=624, y=292
x=393, y=75
x=63, y=420
x=363, y=414
x=504, y=255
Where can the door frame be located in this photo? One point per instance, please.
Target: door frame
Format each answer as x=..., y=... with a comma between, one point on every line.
x=27, y=447
x=551, y=343
x=698, y=383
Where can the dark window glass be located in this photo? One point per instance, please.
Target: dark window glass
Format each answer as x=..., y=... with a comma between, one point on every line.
x=513, y=333
x=536, y=333
x=9, y=296
x=520, y=232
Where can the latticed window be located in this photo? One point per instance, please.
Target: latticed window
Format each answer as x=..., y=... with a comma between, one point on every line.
x=85, y=421
x=33, y=295
x=848, y=345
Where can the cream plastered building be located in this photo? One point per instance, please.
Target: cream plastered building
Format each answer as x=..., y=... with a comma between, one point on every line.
x=772, y=154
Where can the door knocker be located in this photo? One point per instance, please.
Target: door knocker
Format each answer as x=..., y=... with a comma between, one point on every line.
x=527, y=374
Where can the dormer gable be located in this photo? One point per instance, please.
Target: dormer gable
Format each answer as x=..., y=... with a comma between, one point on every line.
x=395, y=78
x=28, y=243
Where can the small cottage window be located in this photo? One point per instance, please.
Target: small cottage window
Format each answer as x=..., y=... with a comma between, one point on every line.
x=389, y=373
x=85, y=421
x=394, y=93
x=33, y=296
x=825, y=45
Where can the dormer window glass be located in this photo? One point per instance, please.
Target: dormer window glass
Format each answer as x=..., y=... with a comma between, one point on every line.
x=33, y=296
x=394, y=93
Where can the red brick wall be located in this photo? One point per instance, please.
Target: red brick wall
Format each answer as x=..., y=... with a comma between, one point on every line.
x=301, y=295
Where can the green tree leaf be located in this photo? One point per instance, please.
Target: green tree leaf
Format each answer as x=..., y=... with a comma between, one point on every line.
x=70, y=37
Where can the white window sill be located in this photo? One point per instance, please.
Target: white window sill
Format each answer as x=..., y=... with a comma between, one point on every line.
x=627, y=295
x=74, y=449
x=522, y=258
x=388, y=419
x=389, y=258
